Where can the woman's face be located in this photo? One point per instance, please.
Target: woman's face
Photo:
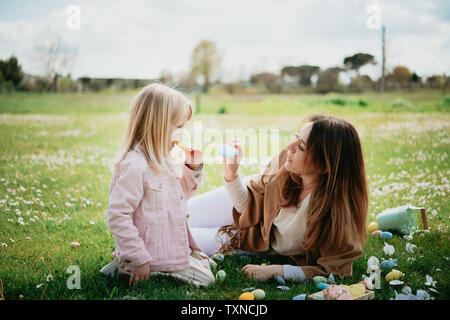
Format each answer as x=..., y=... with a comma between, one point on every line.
x=297, y=151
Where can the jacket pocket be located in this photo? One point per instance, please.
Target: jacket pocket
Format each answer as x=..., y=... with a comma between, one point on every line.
x=156, y=193
x=151, y=241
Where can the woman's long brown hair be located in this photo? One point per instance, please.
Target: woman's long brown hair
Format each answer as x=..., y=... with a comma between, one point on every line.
x=340, y=200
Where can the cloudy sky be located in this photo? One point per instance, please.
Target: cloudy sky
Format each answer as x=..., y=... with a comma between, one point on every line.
x=140, y=38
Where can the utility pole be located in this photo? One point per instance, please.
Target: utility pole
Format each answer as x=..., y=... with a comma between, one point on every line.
x=383, y=32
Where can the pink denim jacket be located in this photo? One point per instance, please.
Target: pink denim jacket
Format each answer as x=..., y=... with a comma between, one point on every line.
x=147, y=214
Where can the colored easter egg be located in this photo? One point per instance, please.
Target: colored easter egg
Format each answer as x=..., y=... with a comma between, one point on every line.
x=280, y=280
x=368, y=284
x=74, y=244
x=300, y=297
x=395, y=282
x=372, y=227
x=319, y=279
x=221, y=275
x=387, y=265
x=394, y=275
x=385, y=235
x=283, y=288
x=322, y=286
x=376, y=233
x=218, y=257
x=246, y=296
x=259, y=294
x=227, y=151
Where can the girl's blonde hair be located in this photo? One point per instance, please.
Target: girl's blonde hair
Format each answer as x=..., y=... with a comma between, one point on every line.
x=152, y=111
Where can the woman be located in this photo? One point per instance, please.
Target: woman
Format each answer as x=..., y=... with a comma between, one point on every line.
x=310, y=204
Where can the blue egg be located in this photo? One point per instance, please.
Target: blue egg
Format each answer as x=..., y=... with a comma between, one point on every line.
x=387, y=265
x=300, y=297
x=322, y=286
x=280, y=279
x=385, y=235
x=227, y=151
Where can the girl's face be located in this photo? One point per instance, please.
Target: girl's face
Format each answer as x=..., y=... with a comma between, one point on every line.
x=176, y=132
x=297, y=152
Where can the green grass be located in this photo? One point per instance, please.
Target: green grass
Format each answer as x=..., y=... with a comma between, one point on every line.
x=56, y=148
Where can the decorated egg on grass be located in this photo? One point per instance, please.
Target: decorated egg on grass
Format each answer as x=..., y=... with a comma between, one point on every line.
x=221, y=275
x=246, y=296
x=394, y=275
x=387, y=265
x=385, y=235
x=259, y=294
x=74, y=244
x=280, y=279
x=372, y=227
x=319, y=279
x=368, y=284
x=284, y=288
x=322, y=286
x=376, y=233
x=218, y=257
x=300, y=297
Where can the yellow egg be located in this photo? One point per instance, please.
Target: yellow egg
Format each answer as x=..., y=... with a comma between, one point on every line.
x=372, y=227
x=247, y=296
x=394, y=275
x=356, y=290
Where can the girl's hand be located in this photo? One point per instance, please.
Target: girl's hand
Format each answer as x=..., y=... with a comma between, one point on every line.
x=231, y=165
x=194, y=158
x=262, y=273
x=139, y=273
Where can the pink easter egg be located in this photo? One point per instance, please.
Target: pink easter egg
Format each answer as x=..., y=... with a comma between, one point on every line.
x=376, y=233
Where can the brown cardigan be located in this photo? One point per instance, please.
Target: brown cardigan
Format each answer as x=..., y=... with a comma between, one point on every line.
x=255, y=222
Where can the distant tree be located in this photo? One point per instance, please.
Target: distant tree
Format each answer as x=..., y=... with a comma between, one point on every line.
x=358, y=60
x=205, y=62
x=328, y=79
x=302, y=73
x=165, y=76
x=55, y=55
x=10, y=70
x=401, y=74
x=416, y=78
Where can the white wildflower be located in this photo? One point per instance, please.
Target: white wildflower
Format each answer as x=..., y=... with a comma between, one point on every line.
x=430, y=281
x=388, y=249
x=410, y=247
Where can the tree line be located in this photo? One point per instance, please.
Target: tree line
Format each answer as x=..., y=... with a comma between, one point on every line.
x=204, y=74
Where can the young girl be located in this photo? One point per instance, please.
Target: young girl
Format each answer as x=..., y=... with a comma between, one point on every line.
x=147, y=212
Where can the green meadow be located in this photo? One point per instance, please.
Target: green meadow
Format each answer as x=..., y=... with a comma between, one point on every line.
x=55, y=152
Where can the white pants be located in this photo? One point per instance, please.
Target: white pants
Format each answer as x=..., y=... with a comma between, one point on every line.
x=207, y=213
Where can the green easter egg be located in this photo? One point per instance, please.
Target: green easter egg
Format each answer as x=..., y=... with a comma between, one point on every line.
x=259, y=294
x=319, y=279
x=221, y=275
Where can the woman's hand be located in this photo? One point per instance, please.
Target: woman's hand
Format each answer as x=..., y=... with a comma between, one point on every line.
x=262, y=273
x=231, y=165
x=194, y=158
x=139, y=273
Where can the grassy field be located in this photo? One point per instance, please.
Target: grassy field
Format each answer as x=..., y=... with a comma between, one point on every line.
x=54, y=180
